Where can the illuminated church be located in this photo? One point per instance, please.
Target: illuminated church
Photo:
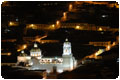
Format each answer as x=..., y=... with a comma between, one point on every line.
x=37, y=61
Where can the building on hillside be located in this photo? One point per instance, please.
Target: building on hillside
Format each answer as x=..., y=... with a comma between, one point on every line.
x=37, y=61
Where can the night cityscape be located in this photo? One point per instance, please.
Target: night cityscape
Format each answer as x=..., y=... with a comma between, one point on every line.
x=59, y=39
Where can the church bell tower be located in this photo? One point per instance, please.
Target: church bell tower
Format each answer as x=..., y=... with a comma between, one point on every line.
x=67, y=55
x=67, y=48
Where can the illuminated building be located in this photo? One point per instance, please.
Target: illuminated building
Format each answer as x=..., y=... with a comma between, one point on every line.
x=37, y=61
x=35, y=51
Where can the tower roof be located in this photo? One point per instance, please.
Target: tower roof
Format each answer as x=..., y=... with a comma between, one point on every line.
x=35, y=45
x=23, y=53
x=66, y=39
x=35, y=49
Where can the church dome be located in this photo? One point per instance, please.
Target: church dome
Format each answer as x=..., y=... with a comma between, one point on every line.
x=35, y=49
x=22, y=53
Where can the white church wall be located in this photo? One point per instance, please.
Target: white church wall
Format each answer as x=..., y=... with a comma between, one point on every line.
x=23, y=58
x=35, y=53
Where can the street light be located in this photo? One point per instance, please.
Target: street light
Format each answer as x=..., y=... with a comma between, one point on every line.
x=24, y=46
x=64, y=16
x=32, y=25
x=77, y=27
x=70, y=7
x=11, y=23
x=100, y=29
x=57, y=23
x=53, y=25
x=9, y=54
x=108, y=48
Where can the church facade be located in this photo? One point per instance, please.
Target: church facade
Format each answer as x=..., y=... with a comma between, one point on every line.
x=36, y=60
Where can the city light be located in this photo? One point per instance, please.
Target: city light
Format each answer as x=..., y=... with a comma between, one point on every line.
x=77, y=27
x=108, y=48
x=64, y=16
x=11, y=23
x=100, y=29
x=114, y=43
x=18, y=50
x=24, y=46
x=57, y=23
x=9, y=54
x=53, y=25
x=32, y=25
x=70, y=7
x=100, y=51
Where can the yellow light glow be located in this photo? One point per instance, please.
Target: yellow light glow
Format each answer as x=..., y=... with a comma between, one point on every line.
x=53, y=25
x=108, y=48
x=42, y=42
x=77, y=27
x=11, y=23
x=24, y=46
x=114, y=43
x=32, y=25
x=9, y=54
x=70, y=7
x=18, y=50
x=64, y=14
x=100, y=51
x=57, y=22
x=100, y=29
